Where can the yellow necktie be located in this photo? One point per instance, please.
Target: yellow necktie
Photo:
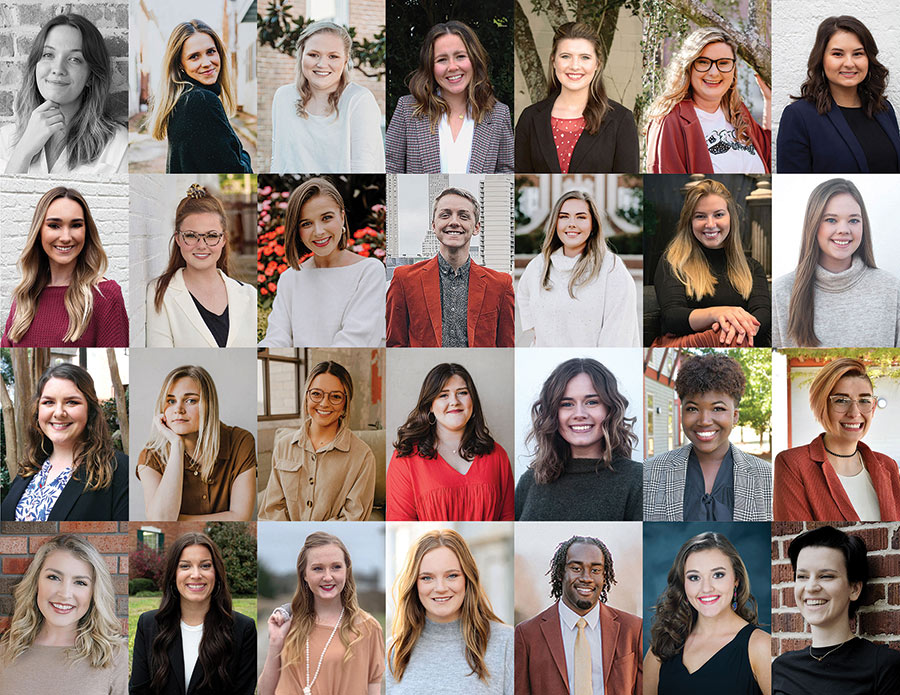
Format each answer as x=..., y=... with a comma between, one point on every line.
x=583, y=684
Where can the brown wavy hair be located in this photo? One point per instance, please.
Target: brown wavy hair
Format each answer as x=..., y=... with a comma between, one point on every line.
x=552, y=451
x=598, y=103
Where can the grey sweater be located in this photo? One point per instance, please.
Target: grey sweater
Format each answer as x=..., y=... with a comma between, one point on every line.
x=859, y=307
x=438, y=664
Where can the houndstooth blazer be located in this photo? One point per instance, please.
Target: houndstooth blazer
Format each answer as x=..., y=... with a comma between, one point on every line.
x=664, y=477
x=412, y=148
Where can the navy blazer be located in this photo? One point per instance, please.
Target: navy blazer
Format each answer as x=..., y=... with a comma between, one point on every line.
x=77, y=504
x=241, y=661
x=809, y=142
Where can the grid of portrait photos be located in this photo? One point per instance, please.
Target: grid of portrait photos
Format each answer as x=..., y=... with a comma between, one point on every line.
x=568, y=325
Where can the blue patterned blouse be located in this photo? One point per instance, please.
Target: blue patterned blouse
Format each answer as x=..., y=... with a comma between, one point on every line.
x=39, y=497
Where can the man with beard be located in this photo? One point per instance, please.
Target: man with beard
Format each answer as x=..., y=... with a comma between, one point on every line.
x=579, y=645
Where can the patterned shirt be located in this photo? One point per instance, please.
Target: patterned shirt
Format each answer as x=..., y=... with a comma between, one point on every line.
x=454, y=303
x=39, y=497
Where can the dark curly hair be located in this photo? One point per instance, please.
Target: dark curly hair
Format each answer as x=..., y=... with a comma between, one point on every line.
x=712, y=372
x=815, y=88
x=558, y=566
x=852, y=547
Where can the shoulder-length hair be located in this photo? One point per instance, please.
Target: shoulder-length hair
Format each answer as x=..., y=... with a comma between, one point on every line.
x=552, y=452
x=197, y=201
x=826, y=381
x=216, y=643
x=815, y=89
x=480, y=92
x=294, y=247
x=675, y=616
x=685, y=255
x=802, y=311
x=336, y=369
x=173, y=82
x=303, y=609
x=419, y=433
x=207, y=448
x=852, y=547
x=678, y=81
x=598, y=103
x=98, y=638
x=587, y=267
x=95, y=455
x=94, y=125
x=300, y=81
x=34, y=267
x=476, y=613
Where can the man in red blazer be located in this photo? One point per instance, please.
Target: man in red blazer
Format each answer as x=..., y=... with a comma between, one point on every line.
x=449, y=300
x=580, y=646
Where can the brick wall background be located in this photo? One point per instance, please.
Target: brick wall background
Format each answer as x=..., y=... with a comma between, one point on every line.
x=21, y=539
x=21, y=20
x=878, y=617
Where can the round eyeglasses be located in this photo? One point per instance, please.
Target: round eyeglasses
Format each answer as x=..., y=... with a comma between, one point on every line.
x=841, y=404
x=334, y=397
x=191, y=239
x=722, y=64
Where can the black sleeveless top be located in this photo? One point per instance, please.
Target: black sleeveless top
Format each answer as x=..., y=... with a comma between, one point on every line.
x=726, y=671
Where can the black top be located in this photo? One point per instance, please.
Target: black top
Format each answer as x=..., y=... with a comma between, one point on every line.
x=858, y=667
x=218, y=325
x=877, y=146
x=675, y=307
x=726, y=671
x=584, y=492
x=718, y=505
x=201, y=140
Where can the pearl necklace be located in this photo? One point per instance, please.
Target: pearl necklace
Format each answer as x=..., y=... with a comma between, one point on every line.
x=307, y=689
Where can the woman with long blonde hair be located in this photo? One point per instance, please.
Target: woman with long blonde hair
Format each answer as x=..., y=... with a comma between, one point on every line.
x=710, y=294
x=196, y=96
x=64, y=627
x=323, y=642
x=577, y=292
x=63, y=298
x=699, y=124
x=445, y=638
x=194, y=466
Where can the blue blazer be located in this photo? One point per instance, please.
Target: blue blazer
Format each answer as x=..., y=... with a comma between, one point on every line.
x=824, y=144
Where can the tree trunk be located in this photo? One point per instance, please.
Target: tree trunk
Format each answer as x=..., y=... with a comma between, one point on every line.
x=121, y=407
x=22, y=374
x=9, y=425
x=529, y=60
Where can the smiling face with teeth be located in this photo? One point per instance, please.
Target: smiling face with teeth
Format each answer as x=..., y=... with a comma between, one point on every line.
x=574, y=225
x=195, y=575
x=65, y=589
x=454, y=223
x=711, y=221
x=452, y=65
x=62, y=235
x=62, y=413
x=846, y=429
x=324, y=414
x=707, y=420
x=323, y=61
x=326, y=572
x=840, y=232
x=575, y=63
x=581, y=414
x=200, y=257
x=708, y=88
x=441, y=585
x=822, y=588
x=322, y=228
x=709, y=582
x=583, y=578
x=845, y=62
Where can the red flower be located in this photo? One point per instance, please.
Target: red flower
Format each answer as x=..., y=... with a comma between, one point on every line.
x=263, y=291
x=271, y=286
x=260, y=278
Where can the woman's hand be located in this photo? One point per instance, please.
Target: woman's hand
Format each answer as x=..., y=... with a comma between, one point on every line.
x=767, y=102
x=159, y=422
x=45, y=121
x=734, y=323
x=279, y=624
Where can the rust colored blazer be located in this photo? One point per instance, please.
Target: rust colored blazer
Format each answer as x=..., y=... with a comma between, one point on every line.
x=541, y=658
x=414, y=307
x=808, y=489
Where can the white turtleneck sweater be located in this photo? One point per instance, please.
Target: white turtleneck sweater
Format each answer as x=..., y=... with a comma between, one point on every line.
x=858, y=307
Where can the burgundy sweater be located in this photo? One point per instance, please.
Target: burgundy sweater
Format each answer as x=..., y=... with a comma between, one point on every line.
x=108, y=326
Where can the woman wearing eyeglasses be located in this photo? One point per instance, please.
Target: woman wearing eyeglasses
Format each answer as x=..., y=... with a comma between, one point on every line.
x=195, y=303
x=321, y=472
x=837, y=477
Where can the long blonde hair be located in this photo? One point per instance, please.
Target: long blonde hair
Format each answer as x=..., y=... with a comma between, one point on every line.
x=685, y=256
x=173, y=82
x=678, y=81
x=97, y=638
x=34, y=267
x=476, y=613
x=587, y=267
x=300, y=81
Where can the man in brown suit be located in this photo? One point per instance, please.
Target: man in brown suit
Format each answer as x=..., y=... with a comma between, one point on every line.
x=579, y=645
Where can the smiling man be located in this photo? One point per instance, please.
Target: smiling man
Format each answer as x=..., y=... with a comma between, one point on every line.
x=449, y=300
x=579, y=645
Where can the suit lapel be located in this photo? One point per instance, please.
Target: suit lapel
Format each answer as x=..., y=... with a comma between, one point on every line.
x=546, y=144
x=675, y=477
x=236, y=307
x=477, y=289
x=743, y=494
x=890, y=128
x=67, y=498
x=176, y=662
x=840, y=123
x=431, y=147
x=609, y=638
x=552, y=631
x=480, y=143
x=431, y=291
x=183, y=299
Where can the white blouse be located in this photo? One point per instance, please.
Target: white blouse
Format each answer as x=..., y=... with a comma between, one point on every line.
x=112, y=160
x=455, y=154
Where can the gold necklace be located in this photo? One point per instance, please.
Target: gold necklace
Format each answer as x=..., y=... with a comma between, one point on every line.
x=830, y=651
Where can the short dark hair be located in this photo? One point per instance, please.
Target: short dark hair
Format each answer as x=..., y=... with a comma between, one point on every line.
x=712, y=372
x=852, y=547
x=558, y=565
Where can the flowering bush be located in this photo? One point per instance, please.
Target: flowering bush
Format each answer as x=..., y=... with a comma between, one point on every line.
x=146, y=563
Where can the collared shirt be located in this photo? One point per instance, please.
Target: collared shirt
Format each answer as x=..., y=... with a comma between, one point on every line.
x=39, y=497
x=454, y=303
x=568, y=620
x=718, y=505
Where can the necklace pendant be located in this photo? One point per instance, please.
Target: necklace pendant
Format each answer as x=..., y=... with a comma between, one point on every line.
x=196, y=472
x=307, y=690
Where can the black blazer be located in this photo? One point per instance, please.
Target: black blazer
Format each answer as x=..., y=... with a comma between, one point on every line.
x=613, y=149
x=241, y=665
x=77, y=504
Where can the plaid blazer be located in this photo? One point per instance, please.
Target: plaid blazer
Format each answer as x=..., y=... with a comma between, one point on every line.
x=664, y=477
x=412, y=148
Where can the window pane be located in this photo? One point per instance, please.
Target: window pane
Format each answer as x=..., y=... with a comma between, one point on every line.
x=260, y=388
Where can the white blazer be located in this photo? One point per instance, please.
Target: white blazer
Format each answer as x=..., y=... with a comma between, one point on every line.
x=179, y=324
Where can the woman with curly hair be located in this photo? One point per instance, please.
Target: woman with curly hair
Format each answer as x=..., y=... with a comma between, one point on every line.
x=64, y=628
x=841, y=122
x=445, y=638
x=699, y=124
x=195, y=642
x=446, y=466
x=708, y=479
x=303, y=655
x=582, y=467
x=704, y=637
x=450, y=122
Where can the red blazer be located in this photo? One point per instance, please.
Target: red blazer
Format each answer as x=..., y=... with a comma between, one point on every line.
x=541, y=658
x=808, y=489
x=414, y=307
x=675, y=143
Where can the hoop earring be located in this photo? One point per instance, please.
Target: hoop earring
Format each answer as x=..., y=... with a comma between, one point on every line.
x=431, y=419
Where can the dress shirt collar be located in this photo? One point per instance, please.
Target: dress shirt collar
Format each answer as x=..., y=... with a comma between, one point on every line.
x=340, y=442
x=569, y=617
x=446, y=269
